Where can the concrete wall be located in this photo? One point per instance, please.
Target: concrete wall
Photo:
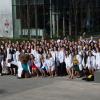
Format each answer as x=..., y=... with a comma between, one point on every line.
x=6, y=27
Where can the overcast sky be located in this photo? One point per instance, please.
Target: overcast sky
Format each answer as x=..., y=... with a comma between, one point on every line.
x=5, y=6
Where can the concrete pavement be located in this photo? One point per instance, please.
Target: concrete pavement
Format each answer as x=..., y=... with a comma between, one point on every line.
x=57, y=88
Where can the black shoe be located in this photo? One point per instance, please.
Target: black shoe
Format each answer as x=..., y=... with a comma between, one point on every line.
x=19, y=78
x=84, y=78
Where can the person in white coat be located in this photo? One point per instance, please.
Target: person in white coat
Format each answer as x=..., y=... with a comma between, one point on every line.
x=8, y=54
x=44, y=67
x=79, y=58
x=8, y=59
x=20, y=68
x=91, y=63
x=97, y=57
x=61, y=60
x=17, y=54
x=38, y=61
x=54, y=54
x=69, y=63
x=51, y=65
x=33, y=51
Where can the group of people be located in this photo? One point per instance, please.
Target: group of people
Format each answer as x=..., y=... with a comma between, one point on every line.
x=50, y=58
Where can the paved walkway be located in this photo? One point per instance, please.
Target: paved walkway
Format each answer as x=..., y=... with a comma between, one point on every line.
x=48, y=89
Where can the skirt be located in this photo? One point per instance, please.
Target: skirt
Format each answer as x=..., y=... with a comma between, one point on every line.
x=76, y=67
x=34, y=67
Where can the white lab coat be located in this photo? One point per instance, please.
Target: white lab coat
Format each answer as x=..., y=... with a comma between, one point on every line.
x=20, y=69
x=97, y=58
x=50, y=64
x=79, y=58
x=47, y=64
x=37, y=60
x=61, y=56
x=91, y=62
x=33, y=52
x=8, y=54
x=53, y=53
x=17, y=55
x=69, y=61
x=83, y=63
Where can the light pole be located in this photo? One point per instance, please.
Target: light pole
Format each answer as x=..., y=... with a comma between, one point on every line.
x=44, y=19
x=63, y=17
x=36, y=22
x=28, y=20
x=50, y=19
x=57, y=19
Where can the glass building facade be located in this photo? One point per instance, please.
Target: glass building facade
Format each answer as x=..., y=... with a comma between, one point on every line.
x=50, y=18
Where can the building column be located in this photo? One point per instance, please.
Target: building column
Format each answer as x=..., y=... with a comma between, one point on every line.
x=50, y=19
x=57, y=22
x=53, y=22
x=63, y=25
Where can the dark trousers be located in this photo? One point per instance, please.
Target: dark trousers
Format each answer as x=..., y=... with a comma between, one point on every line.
x=13, y=69
x=62, y=69
x=0, y=68
x=56, y=68
x=25, y=74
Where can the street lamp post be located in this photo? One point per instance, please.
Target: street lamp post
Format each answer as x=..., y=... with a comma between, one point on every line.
x=50, y=19
x=28, y=20
x=36, y=22
x=44, y=19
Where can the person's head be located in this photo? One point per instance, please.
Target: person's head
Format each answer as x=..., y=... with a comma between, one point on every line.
x=79, y=48
x=92, y=44
x=67, y=53
x=49, y=56
x=9, y=41
x=79, y=42
x=76, y=52
x=62, y=48
x=9, y=45
x=37, y=48
x=89, y=53
x=90, y=48
x=40, y=49
x=55, y=49
x=32, y=57
x=86, y=46
x=75, y=47
x=58, y=48
x=24, y=58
